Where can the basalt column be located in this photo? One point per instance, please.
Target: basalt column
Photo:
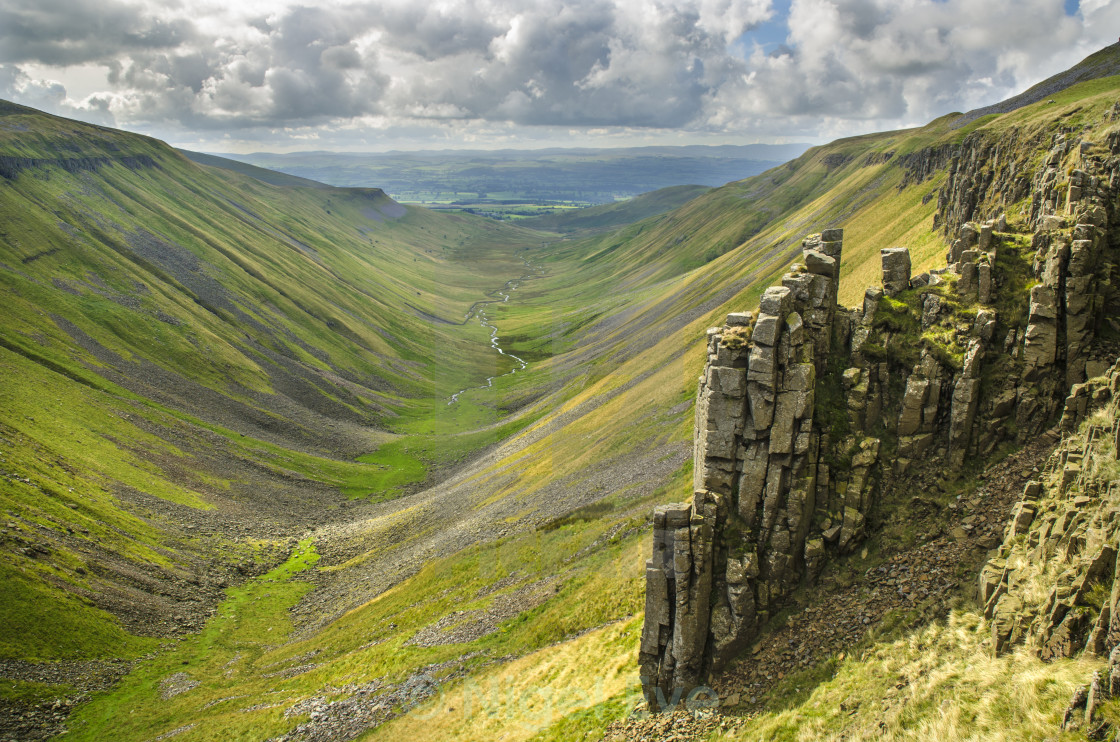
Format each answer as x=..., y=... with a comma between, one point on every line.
x=719, y=565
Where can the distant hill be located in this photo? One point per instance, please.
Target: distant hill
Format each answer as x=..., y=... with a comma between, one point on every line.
x=608, y=216
x=548, y=176
x=264, y=175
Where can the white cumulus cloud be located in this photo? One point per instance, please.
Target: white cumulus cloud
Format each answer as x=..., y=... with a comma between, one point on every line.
x=265, y=68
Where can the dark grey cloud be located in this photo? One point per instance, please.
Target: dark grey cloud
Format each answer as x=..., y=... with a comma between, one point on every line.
x=314, y=69
x=434, y=32
x=299, y=68
x=583, y=64
x=67, y=32
x=587, y=62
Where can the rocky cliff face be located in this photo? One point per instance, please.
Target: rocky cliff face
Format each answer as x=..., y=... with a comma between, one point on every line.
x=1052, y=584
x=807, y=411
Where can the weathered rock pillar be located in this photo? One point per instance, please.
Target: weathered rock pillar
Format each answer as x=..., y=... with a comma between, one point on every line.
x=720, y=566
x=656, y=654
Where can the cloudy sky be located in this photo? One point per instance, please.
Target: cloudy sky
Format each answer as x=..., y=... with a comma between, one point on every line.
x=407, y=74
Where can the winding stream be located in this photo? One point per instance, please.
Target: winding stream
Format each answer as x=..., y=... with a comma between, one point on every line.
x=478, y=310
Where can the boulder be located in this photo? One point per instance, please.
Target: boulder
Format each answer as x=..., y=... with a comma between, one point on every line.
x=991, y=577
x=965, y=400
x=785, y=416
x=955, y=252
x=970, y=235
x=1068, y=638
x=800, y=377
x=896, y=270
x=910, y=418
x=818, y=263
x=795, y=326
x=985, y=325
x=1097, y=695
x=984, y=282
x=931, y=308
x=831, y=243
x=767, y=330
x=814, y=557
x=761, y=400
x=1040, y=344
x=968, y=284
x=984, y=240
x=851, y=528
x=1044, y=303
x=1021, y=518
x=763, y=365
x=737, y=319
x=775, y=301
x=1005, y=623
x=732, y=382
x=756, y=462
x=871, y=298
x=1051, y=223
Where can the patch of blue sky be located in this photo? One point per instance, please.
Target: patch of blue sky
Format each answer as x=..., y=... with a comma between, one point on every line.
x=770, y=35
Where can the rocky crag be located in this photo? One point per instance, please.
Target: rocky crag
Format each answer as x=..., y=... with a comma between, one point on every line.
x=1052, y=584
x=809, y=414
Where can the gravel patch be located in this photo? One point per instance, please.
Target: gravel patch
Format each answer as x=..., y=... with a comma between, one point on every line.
x=176, y=683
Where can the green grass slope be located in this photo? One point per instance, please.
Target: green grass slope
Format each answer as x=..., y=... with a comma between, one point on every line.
x=192, y=362
x=1104, y=63
x=267, y=176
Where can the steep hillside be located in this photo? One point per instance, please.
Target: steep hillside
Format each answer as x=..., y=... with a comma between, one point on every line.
x=893, y=188
x=192, y=362
x=808, y=415
x=268, y=176
x=816, y=425
x=1104, y=63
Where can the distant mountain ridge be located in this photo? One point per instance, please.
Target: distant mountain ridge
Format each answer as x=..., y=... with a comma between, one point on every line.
x=748, y=151
x=272, y=177
x=583, y=176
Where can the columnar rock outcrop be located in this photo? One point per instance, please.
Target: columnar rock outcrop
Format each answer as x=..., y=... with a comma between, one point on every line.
x=759, y=481
x=896, y=270
x=756, y=478
x=1053, y=583
x=807, y=410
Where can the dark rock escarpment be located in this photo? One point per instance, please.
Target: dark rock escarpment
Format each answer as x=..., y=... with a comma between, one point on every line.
x=807, y=410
